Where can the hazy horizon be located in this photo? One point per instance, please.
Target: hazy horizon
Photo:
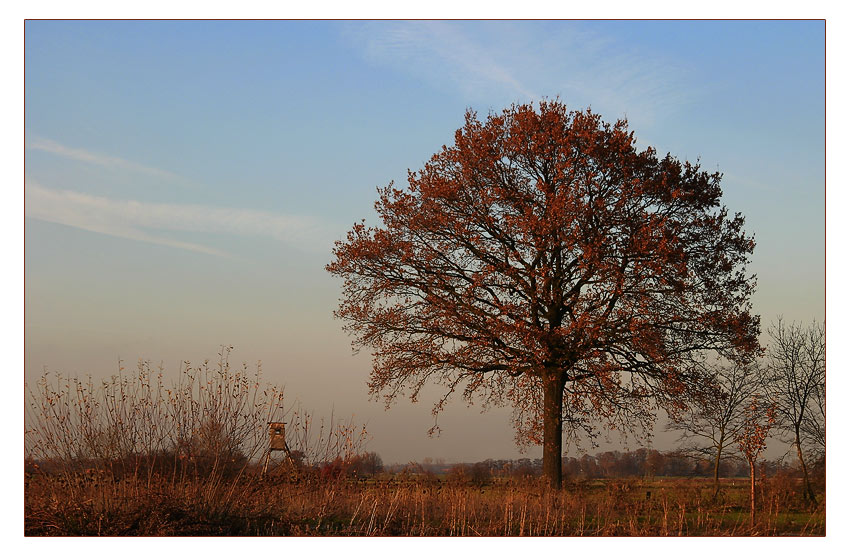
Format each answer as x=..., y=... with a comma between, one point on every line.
x=185, y=181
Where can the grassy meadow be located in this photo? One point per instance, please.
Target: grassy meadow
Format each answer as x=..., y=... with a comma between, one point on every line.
x=133, y=455
x=304, y=504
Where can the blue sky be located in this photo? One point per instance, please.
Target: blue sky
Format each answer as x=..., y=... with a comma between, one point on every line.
x=185, y=180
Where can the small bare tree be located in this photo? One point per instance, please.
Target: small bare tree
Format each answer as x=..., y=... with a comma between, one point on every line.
x=814, y=426
x=758, y=420
x=796, y=382
x=711, y=428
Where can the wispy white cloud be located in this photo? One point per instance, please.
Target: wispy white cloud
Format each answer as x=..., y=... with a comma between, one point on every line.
x=99, y=159
x=439, y=52
x=150, y=222
x=485, y=61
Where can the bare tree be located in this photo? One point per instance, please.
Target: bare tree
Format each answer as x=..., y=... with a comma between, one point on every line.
x=814, y=426
x=713, y=425
x=796, y=381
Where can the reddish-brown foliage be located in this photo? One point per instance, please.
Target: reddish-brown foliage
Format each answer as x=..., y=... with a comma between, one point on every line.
x=758, y=420
x=542, y=260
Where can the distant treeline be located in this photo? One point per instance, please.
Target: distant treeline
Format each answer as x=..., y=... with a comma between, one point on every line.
x=643, y=462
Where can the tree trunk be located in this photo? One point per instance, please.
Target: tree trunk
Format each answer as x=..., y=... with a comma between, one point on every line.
x=808, y=494
x=752, y=493
x=717, y=468
x=553, y=402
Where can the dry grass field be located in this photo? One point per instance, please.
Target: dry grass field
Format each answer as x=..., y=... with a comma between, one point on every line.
x=308, y=504
x=135, y=456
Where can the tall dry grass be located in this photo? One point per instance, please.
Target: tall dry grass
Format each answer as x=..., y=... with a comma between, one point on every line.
x=134, y=438
x=133, y=455
x=417, y=506
x=211, y=421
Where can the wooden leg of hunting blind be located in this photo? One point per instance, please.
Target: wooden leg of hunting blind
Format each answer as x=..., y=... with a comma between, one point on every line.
x=268, y=457
x=266, y=463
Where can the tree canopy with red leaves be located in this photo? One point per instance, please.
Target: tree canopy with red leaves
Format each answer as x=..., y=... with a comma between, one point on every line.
x=545, y=262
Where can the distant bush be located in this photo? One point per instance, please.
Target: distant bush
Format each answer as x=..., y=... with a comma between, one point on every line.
x=477, y=474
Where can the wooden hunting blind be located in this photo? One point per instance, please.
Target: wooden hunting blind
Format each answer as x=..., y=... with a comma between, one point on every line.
x=277, y=442
x=277, y=436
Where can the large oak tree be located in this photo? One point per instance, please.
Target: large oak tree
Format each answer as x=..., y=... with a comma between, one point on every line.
x=545, y=262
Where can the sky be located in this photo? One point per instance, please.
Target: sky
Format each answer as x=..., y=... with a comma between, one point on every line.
x=185, y=181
